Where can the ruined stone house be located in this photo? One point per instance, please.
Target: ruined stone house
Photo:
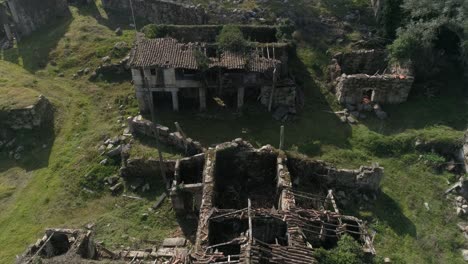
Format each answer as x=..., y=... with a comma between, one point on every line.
x=261, y=206
x=167, y=72
x=22, y=17
x=252, y=205
x=366, y=74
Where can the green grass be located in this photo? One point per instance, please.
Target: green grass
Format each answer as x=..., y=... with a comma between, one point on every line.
x=16, y=98
x=45, y=190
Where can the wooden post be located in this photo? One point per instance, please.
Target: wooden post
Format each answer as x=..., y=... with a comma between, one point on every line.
x=175, y=100
x=179, y=129
x=281, y=145
x=161, y=165
x=273, y=87
x=202, y=95
x=240, y=97
x=250, y=221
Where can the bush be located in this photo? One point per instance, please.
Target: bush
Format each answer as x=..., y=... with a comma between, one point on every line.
x=202, y=60
x=348, y=251
x=231, y=38
x=154, y=31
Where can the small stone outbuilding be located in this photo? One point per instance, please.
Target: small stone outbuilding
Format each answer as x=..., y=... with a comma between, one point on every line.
x=366, y=75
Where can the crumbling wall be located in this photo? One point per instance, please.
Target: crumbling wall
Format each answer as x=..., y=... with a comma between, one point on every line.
x=141, y=126
x=30, y=117
x=305, y=170
x=366, y=74
x=362, y=61
x=146, y=168
x=386, y=89
x=160, y=11
x=30, y=15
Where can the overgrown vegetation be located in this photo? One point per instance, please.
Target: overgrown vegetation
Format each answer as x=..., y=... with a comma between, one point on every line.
x=154, y=31
x=231, y=39
x=46, y=189
x=430, y=29
x=348, y=251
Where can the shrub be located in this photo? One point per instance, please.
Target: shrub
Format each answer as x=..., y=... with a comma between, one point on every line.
x=202, y=60
x=154, y=31
x=231, y=38
x=348, y=251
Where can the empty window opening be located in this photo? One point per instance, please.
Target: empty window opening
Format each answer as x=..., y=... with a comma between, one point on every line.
x=243, y=175
x=153, y=72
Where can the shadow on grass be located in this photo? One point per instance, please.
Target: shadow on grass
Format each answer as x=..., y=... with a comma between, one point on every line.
x=386, y=211
x=314, y=123
x=37, y=148
x=447, y=108
x=33, y=52
x=111, y=19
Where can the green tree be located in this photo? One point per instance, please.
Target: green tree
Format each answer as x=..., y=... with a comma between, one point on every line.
x=425, y=21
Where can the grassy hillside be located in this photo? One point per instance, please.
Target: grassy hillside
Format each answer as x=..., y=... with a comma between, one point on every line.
x=44, y=189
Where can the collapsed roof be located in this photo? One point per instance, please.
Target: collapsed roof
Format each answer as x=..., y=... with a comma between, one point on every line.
x=169, y=53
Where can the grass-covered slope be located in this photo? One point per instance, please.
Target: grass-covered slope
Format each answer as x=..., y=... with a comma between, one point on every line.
x=45, y=189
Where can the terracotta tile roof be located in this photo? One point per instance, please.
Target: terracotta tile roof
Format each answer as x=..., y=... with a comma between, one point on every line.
x=169, y=53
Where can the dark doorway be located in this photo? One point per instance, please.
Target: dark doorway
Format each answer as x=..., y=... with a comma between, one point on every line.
x=162, y=101
x=189, y=99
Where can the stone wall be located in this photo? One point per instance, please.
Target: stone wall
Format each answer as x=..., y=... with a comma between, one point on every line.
x=141, y=126
x=362, y=61
x=30, y=15
x=366, y=73
x=386, y=89
x=30, y=117
x=146, y=168
x=160, y=11
x=365, y=178
x=283, y=96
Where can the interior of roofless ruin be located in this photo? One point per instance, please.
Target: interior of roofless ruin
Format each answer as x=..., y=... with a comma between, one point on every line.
x=243, y=175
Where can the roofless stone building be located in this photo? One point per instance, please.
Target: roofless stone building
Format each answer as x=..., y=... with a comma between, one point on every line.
x=167, y=72
x=252, y=206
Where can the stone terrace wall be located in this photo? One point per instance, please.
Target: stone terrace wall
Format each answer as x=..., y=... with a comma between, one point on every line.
x=29, y=117
x=388, y=89
x=208, y=33
x=30, y=15
x=141, y=126
x=160, y=12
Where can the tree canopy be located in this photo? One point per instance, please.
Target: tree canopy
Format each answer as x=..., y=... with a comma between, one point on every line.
x=428, y=25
